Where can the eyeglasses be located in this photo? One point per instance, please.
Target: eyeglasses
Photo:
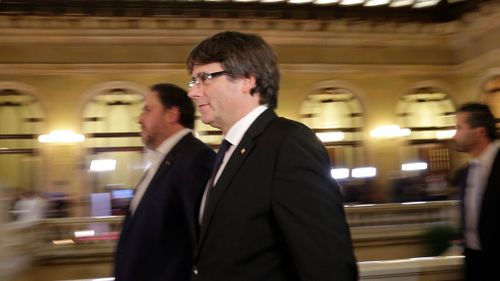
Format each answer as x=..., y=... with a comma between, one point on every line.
x=203, y=77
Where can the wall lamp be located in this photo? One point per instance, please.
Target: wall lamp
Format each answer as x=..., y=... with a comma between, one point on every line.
x=389, y=131
x=330, y=136
x=61, y=137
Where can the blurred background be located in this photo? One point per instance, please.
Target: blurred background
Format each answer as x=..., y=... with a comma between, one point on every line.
x=379, y=81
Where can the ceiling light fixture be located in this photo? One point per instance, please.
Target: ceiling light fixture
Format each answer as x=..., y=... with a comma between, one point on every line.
x=425, y=3
x=351, y=2
x=325, y=2
x=373, y=3
x=401, y=3
x=299, y=1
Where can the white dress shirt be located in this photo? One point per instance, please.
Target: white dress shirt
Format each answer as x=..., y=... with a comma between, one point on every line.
x=477, y=178
x=155, y=157
x=233, y=136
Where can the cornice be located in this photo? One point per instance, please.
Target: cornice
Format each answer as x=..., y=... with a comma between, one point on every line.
x=70, y=30
x=477, y=64
x=166, y=69
x=475, y=24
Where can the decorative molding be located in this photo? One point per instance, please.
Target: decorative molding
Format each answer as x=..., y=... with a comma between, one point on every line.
x=90, y=68
x=23, y=29
x=59, y=69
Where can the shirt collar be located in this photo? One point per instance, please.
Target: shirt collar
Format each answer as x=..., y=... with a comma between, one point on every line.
x=236, y=132
x=155, y=155
x=487, y=156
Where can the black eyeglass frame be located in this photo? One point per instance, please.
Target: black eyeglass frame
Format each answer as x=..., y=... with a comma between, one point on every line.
x=203, y=77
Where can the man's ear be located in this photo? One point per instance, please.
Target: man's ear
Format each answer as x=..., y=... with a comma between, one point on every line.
x=172, y=115
x=482, y=131
x=249, y=83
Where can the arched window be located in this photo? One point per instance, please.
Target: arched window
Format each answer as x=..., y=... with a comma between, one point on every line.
x=427, y=111
x=430, y=115
x=335, y=114
x=22, y=121
x=113, y=142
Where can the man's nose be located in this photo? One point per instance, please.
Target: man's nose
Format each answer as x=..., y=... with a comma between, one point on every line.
x=194, y=92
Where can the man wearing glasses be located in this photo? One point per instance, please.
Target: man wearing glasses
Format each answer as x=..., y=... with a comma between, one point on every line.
x=271, y=210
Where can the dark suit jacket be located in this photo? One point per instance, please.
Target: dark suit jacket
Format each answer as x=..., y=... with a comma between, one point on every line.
x=275, y=213
x=159, y=240
x=489, y=216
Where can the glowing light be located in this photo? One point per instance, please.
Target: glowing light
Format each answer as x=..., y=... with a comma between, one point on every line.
x=364, y=172
x=371, y=3
x=389, y=131
x=65, y=136
x=446, y=134
x=84, y=233
x=417, y=166
x=299, y=1
x=340, y=173
x=426, y=3
x=325, y=2
x=401, y=3
x=351, y=2
x=103, y=165
x=330, y=136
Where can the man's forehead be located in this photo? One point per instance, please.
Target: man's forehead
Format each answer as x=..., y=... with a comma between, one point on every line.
x=152, y=97
x=205, y=68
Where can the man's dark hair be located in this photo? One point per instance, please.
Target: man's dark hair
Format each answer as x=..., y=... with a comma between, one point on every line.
x=241, y=55
x=172, y=95
x=479, y=115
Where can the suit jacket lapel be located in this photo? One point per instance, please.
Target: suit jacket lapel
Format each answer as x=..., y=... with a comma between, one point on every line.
x=167, y=161
x=237, y=158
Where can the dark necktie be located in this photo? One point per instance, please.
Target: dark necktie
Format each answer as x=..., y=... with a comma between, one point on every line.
x=224, y=146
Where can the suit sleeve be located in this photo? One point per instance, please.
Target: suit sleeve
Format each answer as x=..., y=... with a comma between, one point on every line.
x=308, y=208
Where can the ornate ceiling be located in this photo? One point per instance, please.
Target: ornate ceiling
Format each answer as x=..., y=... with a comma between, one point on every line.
x=378, y=10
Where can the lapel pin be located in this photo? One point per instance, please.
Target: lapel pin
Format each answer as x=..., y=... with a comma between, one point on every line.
x=167, y=162
x=242, y=151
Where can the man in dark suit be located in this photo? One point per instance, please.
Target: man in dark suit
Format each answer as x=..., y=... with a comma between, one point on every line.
x=159, y=234
x=271, y=211
x=480, y=191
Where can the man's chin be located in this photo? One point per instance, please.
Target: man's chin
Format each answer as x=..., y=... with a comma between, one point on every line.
x=145, y=141
x=207, y=121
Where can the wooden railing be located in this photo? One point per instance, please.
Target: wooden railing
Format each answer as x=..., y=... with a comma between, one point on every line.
x=448, y=268
x=94, y=238
x=403, y=213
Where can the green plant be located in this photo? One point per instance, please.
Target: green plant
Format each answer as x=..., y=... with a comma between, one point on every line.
x=437, y=238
